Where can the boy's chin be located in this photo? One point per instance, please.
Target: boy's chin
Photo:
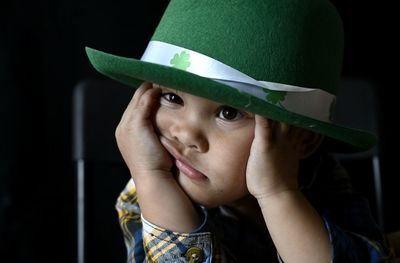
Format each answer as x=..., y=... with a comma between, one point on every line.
x=208, y=203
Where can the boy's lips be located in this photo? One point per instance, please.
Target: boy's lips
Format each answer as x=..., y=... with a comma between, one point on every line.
x=189, y=171
x=182, y=165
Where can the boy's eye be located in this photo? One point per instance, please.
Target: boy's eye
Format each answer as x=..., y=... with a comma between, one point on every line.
x=173, y=98
x=230, y=114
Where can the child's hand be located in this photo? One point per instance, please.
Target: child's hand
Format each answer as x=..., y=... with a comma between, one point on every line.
x=271, y=175
x=136, y=139
x=161, y=199
x=274, y=157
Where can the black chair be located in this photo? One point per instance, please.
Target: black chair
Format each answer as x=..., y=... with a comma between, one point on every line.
x=101, y=174
x=357, y=107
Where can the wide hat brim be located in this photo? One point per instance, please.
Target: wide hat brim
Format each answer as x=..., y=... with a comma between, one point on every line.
x=133, y=72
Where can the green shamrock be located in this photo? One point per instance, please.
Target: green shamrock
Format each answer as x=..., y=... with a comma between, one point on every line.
x=180, y=61
x=275, y=97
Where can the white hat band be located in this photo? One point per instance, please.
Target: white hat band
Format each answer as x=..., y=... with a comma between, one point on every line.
x=314, y=103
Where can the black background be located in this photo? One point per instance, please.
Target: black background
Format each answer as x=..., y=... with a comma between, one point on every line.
x=42, y=58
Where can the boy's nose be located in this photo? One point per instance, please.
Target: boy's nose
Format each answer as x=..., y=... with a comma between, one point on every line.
x=190, y=134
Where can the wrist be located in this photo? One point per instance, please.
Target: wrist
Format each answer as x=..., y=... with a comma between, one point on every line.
x=274, y=188
x=148, y=182
x=278, y=195
x=151, y=174
x=163, y=202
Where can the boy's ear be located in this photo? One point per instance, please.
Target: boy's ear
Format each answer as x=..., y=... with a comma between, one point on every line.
x=311, y=142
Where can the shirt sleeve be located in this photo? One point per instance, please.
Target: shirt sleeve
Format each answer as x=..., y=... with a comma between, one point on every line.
x=146, y=242
x=354, y=235
x=130, y=222
x=348, y=246
x=162, y=245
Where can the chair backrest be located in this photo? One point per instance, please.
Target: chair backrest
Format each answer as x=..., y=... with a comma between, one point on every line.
x=357, y=107
x=98, y=106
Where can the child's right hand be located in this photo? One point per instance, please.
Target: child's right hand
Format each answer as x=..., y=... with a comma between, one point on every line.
x=136, y=139
x=161, y=199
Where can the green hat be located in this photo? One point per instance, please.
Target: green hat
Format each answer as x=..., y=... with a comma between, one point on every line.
x=280, y=59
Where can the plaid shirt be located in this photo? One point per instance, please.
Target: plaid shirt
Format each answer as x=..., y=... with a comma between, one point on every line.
x=223, y=238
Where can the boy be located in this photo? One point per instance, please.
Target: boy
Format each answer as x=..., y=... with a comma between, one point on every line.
x=226, y=139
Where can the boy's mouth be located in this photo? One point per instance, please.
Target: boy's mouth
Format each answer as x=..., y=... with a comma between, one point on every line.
x=182, y=166
x=189, y=171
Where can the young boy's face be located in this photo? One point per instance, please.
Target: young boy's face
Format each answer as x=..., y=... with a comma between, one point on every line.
x=210, y=144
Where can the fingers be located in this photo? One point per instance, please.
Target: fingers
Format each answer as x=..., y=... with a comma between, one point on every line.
x=138, y=143
x=264, y=127
x=146, y=102
x=274, y=131
x=138, y=94
x=141, y=103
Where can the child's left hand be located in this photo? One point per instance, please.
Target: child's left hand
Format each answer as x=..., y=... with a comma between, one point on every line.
x=295, y=227
x=273, y=163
